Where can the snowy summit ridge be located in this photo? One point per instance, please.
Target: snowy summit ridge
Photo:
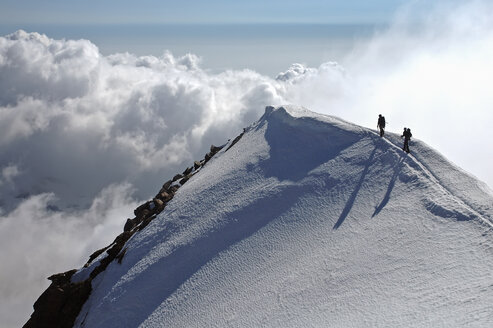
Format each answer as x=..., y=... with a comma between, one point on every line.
x=308, y=220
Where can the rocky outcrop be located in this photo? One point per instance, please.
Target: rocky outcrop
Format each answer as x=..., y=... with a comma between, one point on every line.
x=235, y=140
x=61, y=303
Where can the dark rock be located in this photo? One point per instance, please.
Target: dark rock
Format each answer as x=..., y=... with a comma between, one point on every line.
x=60, y=303
x=236, y=140
x=159, y=204
x=120, y=240
x=129, y=225
x=185, y=179
x=62, y=278
x=188, y=171
x=166, y=185
x=177, y=177
x=96, y=254
x=116, y=247
x=215, y=149
x=146, y=213
x=51, y=301
x=139, y=211
x=164, y=196
x=146, y=222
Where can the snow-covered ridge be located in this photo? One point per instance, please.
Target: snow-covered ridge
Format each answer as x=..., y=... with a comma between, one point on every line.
x=308, y=220
x=60, y=304
x=448, y=182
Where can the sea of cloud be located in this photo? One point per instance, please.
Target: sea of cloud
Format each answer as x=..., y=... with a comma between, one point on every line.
x=84, y=138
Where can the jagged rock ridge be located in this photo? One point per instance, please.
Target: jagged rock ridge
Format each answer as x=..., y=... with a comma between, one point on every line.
x=60, y=304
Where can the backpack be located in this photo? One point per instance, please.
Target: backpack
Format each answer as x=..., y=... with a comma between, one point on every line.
x=381, y=121
x=408, y=134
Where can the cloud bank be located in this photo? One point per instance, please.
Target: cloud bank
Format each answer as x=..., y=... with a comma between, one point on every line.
x=85, y=137
x=431, y=70
x=79, y=131
x=37, y=241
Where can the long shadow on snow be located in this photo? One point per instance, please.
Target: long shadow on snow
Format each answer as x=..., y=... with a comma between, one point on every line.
x=352, y=198
x=397, y=168
x=294, y=151
x=169, y=273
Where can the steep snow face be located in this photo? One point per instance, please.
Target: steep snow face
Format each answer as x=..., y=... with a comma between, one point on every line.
x=309, y=221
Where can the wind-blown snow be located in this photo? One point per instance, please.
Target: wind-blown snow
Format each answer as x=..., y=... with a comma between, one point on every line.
x=309, y=221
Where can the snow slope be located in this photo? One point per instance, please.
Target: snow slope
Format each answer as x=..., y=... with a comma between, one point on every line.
x=309, y=221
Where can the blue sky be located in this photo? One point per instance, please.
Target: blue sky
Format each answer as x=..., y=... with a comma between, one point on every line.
x=195, y=11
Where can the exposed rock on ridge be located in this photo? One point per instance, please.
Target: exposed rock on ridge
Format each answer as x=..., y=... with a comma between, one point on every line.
x=61, y=302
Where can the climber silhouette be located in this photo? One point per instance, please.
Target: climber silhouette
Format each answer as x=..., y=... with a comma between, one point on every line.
x=381, y=124
x=406, y=134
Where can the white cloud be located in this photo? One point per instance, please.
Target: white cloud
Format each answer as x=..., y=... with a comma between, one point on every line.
x=432, y=71
x=65, y=110
x=37, y=242
x=437, y=81
x=73, y=122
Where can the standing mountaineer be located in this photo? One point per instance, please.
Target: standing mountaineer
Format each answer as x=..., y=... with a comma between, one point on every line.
x=381, y=124
x=407, y=136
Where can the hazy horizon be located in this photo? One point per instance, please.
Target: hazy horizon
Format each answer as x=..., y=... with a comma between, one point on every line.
x=266, y=48
x=95, y=117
